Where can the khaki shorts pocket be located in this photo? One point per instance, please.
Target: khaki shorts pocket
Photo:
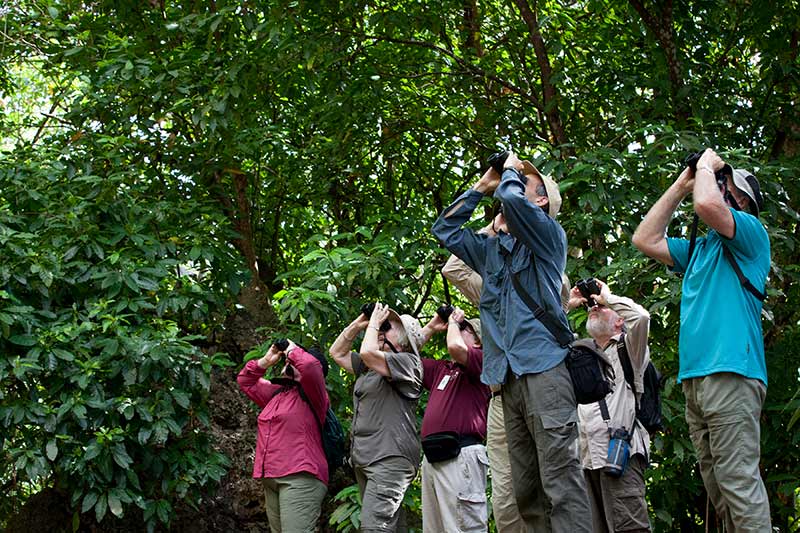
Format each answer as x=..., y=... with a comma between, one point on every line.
x=473, y=512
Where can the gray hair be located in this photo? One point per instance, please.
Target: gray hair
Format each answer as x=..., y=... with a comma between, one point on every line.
x=402, y=335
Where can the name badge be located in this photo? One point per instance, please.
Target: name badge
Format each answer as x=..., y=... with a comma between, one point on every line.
x=444, y=382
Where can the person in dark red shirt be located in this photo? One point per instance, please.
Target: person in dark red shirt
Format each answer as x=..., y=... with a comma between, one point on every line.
x=289, y=457
x=453, y=432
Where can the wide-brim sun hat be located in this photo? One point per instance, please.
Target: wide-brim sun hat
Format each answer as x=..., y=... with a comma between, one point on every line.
x=553, y=192
x=412, y=329
x=746, y=182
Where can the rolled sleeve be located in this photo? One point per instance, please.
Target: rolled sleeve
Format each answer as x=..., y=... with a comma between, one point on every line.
x=466, y=280
x=406, y=373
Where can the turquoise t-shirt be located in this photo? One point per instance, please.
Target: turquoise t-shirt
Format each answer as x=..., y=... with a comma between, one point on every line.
x=720, y=320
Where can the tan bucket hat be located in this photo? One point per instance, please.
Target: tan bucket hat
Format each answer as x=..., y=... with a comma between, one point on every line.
x=412, y=329
x=553, y=193
x=475, y=326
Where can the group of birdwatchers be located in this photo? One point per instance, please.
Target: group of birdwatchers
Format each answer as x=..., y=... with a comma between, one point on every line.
x=505, y=400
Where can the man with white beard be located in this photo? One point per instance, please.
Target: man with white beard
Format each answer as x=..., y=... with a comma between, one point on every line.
x=614, y=446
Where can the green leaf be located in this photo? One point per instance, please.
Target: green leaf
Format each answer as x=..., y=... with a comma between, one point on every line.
x=114, y=504
x=88, y=501
x=52, y=449
x=100, y=508
x=63, y=354
x=121, y=456
x=23, y=340
x=181, y=398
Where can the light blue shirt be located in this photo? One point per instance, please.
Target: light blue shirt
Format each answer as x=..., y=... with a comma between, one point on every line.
x=721, y=320
x=537, y=250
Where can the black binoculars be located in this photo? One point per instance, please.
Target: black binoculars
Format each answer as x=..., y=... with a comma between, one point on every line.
x=367, y=310
x=691, y=162
x=444, y=312
x=281, y=344
x=588, y=287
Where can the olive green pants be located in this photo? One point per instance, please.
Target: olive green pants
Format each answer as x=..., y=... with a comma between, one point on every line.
x=618, y=503
x=723, y=412
x=542, y=427
x=294, y=502
x=383, y=485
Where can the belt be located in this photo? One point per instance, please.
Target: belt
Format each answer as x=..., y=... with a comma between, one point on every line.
x=496, y=393
x=468, y=440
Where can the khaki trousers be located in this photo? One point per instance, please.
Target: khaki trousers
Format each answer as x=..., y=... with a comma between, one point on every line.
x=504, y=504
x=454, y=493
x=723, y=412
x=542, y=426
x=618, y=504
x=293, y=502
x=383, y=485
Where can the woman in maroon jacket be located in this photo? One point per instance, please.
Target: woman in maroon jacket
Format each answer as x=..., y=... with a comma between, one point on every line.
x=289, y=455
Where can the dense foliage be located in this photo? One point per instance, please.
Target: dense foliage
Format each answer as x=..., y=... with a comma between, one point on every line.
x=157, y=155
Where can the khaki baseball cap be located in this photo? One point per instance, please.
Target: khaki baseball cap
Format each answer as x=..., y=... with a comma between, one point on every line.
x=553, y=193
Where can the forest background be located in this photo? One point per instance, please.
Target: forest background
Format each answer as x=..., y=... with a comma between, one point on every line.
x=181, y=182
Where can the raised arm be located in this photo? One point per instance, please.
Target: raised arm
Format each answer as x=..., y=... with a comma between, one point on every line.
x=466, y=280
x=456, y=346
x=251, y=378
x=340, y=349
x=308, y=372
x=650, y=236
x=637, y=325
x=465, y=243
x=709, y=203
x=435, y=325
x=370, y=351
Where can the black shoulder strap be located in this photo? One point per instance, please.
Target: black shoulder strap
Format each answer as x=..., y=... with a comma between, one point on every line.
x=729, y=257
x=562, y=334
x=692, y=239
x=625, y=360
x=739, y=274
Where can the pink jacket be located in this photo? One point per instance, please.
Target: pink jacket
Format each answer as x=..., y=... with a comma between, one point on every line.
x=289, y=439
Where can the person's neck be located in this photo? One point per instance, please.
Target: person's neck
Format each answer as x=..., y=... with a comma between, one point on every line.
x=603, y=341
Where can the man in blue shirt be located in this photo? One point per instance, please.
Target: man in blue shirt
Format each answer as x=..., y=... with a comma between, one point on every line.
x=721, y=349
x=538, y=399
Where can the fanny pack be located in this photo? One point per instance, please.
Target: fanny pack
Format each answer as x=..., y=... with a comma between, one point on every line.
x=446, y=445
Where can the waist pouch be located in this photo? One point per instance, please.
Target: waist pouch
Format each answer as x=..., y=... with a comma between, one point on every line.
x=446, y=445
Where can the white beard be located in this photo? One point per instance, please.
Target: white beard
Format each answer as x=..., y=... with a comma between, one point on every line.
x=600, y=326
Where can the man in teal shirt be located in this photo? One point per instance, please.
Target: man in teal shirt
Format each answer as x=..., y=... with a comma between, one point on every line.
x=721, y=348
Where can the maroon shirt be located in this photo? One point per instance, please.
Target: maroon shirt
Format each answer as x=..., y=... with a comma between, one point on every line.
x=458, y=401
x=289, y=439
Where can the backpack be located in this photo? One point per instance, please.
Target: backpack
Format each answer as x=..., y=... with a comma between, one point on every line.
x=333, y=441
x=592, y=376
x=648, y=407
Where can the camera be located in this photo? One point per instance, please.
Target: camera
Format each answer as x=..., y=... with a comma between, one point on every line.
x=367, y=310
x=619, y=451
x=497, y=160
x=587, y=288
